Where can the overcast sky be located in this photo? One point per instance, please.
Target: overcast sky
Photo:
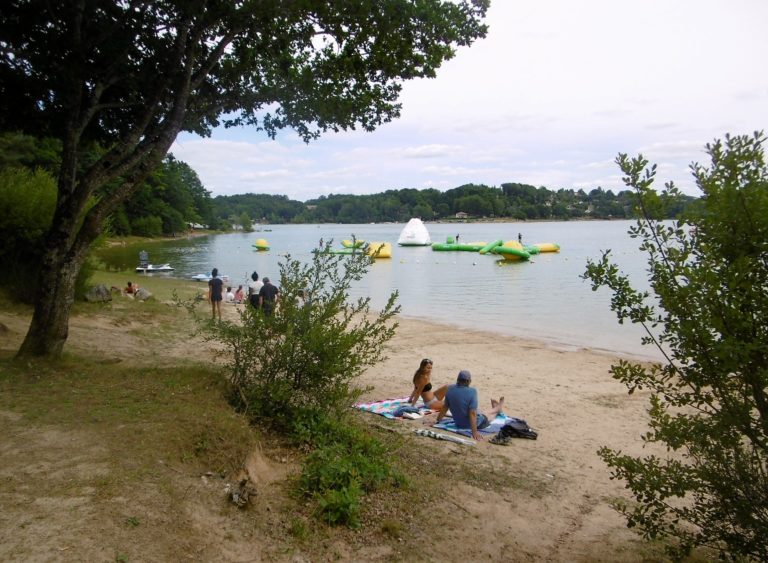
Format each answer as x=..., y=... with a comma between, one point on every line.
x=554, y=92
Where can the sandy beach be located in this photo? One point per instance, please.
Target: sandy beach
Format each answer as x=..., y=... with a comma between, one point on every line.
x=569, y=397
x=555, y=502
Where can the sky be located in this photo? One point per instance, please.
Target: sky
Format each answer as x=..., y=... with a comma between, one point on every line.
x=550, y=97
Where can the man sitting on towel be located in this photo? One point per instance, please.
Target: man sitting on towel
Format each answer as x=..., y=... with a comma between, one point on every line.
x=461, y=399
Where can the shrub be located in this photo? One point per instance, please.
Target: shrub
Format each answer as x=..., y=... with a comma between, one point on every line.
x=709, y=318
x=27, y=200
x=307, y=355
x=297, y=367
x=347, y=463
x=150, y=226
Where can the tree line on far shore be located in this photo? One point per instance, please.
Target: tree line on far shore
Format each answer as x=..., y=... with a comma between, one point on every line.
x=514, y=201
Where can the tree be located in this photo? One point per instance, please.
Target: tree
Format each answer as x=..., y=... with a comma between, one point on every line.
x=131, y=75
x=245, y=222
x=709, y=317
x=27, y=200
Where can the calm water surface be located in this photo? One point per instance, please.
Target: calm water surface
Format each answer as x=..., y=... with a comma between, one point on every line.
x=543, y=299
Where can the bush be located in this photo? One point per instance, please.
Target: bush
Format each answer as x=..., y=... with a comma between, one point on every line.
x=307, y=355
x=297, y=367
x=27, y=200
x=150, y=226
x=709, y=317
x=347, y=463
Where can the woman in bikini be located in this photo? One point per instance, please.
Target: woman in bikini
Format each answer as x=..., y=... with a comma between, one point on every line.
x=422, y=387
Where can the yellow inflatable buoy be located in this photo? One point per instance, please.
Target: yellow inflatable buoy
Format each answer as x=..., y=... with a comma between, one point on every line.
x=547, y=246
x=379, y=249
x=261, y=244
x=511, y=250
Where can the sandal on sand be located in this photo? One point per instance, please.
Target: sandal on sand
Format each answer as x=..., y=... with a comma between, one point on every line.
x=500, y=440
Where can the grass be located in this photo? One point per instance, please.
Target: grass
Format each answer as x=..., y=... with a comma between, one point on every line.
x=161, y=287
x=180, y=411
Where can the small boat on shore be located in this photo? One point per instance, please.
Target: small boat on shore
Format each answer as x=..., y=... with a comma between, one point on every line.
x=149, y=268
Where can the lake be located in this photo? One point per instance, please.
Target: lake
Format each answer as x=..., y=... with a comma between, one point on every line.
x=544, y=299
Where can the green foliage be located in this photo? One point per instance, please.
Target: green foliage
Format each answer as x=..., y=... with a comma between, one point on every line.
x=27, y=200
x=172, y=197
x=148, y=226
x=245, y=222
x=518, y=201
x=307, y=355
x=296, y=369
x=311, y=67
x=347, y=463
x=25, y=151
x=707, y=312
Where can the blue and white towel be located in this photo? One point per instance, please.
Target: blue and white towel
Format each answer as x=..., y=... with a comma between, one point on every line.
x=495, y=425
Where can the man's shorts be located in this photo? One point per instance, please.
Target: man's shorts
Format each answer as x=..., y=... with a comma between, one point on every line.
x=482, y=421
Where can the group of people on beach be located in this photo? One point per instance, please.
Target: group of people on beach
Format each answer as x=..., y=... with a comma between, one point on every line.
x=459, y=398
x=263, y=295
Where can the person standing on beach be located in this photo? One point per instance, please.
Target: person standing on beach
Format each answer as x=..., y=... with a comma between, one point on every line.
x=215, y=293
x=269, y=295
x=461, y=399
x=520, y=238
x=254, y=287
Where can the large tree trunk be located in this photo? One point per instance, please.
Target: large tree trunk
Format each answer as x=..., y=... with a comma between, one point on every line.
x=55, y=292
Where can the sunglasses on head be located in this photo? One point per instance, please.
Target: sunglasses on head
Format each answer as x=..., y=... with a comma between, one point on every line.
x=426, y=361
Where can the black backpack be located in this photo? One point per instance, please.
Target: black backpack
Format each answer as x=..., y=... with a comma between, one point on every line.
x=518, y=428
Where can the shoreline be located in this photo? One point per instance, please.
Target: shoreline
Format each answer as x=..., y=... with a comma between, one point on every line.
x=549, y=343
x=420, y=338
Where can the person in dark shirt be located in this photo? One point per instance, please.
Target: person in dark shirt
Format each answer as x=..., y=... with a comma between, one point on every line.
x=269, y=295
x=215, y=293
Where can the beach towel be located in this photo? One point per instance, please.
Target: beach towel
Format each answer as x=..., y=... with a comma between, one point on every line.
x=389, y=407
x=495, y=425
x=438, y=436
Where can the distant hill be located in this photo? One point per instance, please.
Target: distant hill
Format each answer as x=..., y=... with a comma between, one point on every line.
x=511, y=200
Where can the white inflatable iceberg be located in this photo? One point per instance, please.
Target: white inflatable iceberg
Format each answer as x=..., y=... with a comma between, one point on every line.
x=414, y=234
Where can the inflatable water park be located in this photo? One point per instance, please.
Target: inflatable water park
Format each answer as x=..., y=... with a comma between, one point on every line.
x=374, y=249
x=415, y=233
x=511, y=250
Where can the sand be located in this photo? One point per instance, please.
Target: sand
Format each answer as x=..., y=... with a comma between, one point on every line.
x=562, y=511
